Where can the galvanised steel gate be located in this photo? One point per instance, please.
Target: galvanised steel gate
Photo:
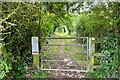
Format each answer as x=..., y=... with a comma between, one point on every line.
x=65, y=54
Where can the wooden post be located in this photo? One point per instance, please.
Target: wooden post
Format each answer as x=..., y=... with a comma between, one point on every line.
x=91, y=52
x=36, y=61
x=35, y=52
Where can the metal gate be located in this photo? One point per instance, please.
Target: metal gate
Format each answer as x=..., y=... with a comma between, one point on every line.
x=65, y=54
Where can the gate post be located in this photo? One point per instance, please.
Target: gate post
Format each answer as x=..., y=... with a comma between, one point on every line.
x=91, y=53
x=35, y=52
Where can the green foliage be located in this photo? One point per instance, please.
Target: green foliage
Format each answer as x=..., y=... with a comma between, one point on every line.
x=4, y=68
x=98, y=21
x=10, y=65
x=5, y=63
x=43, y=75
x=37, y=74
x=28, y=23
x=23, y=20
x=83, y=27
x=109, y=64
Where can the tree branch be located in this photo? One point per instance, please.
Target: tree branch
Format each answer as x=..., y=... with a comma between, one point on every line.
x=9, y=15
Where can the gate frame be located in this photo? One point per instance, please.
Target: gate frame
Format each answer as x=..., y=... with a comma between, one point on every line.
x=89, y=53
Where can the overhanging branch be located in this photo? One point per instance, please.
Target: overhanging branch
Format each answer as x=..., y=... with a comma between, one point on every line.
x=9, y=15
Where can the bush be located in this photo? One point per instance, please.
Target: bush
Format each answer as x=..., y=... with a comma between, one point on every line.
x=109, y=64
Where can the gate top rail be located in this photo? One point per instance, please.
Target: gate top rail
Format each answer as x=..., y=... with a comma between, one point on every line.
x=66, y=45
x=63, y=37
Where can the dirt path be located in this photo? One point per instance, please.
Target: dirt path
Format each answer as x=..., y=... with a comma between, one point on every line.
x=64, y=65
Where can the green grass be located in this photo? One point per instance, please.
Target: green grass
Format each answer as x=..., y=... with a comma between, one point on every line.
x=78, y=56
x=74, y=51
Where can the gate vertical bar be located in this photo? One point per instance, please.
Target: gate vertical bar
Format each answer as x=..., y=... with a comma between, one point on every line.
x=41, y=57
x=41, y=66
x=87, y=52
x=91, y=52
x=89, y=65
x=83, y=45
